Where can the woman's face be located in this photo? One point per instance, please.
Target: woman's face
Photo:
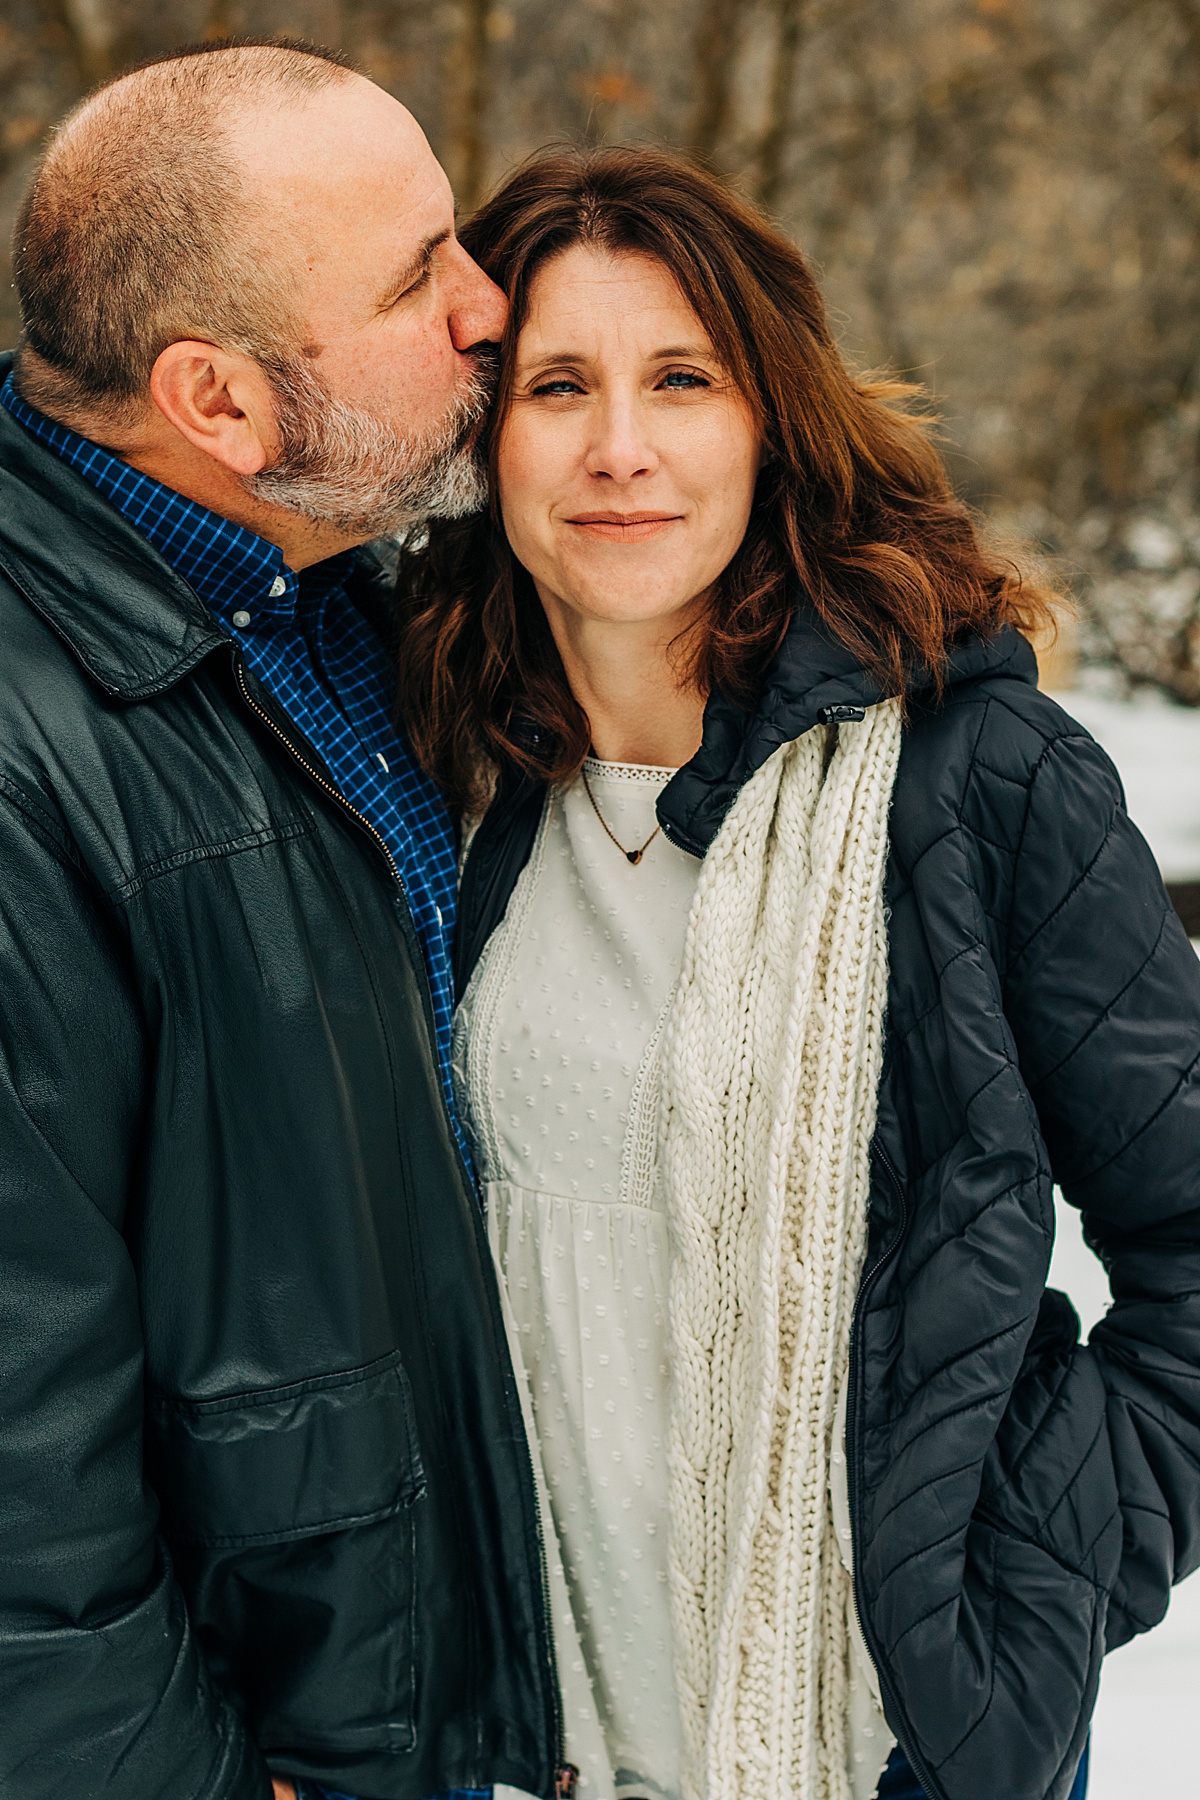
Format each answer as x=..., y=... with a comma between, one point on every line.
x=627, y=460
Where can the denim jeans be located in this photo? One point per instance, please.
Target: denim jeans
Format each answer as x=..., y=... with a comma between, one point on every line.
x=308, y=1790
x=896, y=1783
x=899, y=1783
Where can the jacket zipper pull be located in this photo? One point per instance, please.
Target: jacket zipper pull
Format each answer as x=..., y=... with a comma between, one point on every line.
x=566, y=1782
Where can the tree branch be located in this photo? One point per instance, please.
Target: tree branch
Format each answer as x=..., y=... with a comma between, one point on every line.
x=791, y=17
x=717, y=35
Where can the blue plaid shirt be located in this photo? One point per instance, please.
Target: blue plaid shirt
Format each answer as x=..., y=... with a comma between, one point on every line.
x=316, y=654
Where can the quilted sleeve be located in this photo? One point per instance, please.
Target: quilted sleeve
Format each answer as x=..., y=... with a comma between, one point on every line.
x=1105, y=991
x=104, y=1693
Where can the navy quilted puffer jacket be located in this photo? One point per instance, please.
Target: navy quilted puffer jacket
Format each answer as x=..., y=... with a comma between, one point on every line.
x=1020, y=1501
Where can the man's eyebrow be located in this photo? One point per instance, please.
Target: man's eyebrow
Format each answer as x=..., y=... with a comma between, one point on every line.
x=414, y=267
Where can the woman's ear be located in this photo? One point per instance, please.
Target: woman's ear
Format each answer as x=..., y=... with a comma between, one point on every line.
x=220, y=401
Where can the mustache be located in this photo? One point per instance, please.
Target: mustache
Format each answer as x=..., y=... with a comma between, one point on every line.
x=480, y=390
x=478, y=393
x=484, y=360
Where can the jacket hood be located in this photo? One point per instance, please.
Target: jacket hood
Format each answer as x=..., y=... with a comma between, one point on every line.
x=813, y=680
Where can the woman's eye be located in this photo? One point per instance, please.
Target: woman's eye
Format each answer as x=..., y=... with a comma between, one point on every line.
x=685, y=378
x=559, y=386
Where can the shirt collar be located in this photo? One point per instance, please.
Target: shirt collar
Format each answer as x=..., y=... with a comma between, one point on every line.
x=237, y=574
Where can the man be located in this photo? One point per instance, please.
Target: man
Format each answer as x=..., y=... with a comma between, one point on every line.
x=266, y=1509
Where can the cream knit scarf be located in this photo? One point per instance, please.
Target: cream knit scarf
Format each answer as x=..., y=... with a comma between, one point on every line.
x=769, y=1075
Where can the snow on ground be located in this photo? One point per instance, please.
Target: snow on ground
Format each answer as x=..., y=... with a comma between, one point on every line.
x=1145, y=1741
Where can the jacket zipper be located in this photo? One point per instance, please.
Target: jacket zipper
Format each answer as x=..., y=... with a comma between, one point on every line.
x=314, y=774
x=870, y=1276
x=566, y=1776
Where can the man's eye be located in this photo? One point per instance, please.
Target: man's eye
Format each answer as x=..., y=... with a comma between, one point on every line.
x=419, y=281
x=685, y=378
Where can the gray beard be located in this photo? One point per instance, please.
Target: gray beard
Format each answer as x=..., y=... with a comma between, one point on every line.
x=339, y=465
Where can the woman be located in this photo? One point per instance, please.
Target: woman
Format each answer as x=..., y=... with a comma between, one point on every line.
x=803, y=946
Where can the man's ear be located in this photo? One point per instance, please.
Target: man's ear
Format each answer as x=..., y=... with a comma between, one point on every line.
x=220, y=401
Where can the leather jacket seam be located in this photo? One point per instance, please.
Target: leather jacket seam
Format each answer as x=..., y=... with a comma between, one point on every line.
x=38, y=817
x=289, y=1390
x=296, y=1533
x=181, y=859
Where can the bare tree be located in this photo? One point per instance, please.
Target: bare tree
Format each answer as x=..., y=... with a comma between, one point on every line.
x=718, y=38
x=470, y=83
x=1002, y=198
x=791, y=17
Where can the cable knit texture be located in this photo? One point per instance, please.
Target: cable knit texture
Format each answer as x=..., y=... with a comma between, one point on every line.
x=771, y=1066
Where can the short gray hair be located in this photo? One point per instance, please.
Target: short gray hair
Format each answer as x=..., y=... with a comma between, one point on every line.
x=137, y=231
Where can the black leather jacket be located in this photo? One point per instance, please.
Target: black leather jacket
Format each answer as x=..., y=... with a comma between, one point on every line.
x=265, y=1498
x=1019, y=1501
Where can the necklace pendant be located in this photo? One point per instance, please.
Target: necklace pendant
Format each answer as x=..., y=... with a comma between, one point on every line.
x=631, y=856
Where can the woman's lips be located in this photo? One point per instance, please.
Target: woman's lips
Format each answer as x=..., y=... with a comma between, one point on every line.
x=623, y=528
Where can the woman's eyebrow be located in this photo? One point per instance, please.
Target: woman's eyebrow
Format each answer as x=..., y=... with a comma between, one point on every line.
x=415, y=266
x=681, y=352
x=545, y=357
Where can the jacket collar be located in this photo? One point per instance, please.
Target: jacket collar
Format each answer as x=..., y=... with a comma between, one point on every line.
x=812, y=678
x=134, y=624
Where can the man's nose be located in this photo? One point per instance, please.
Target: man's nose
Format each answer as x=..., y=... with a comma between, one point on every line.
x=480, y=311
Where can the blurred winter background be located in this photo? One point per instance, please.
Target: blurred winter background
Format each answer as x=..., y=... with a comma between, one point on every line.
x=1003, y=200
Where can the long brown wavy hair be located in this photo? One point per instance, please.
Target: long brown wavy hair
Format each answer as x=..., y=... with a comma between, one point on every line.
x=853, y=509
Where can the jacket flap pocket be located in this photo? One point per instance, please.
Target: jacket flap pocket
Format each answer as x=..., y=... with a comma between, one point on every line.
x=286, y=1462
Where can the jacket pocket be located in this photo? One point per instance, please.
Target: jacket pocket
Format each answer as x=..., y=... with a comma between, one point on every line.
x=1003, y=1705
x=1048, y=1476
x=291, y=1517
x=286, y=1462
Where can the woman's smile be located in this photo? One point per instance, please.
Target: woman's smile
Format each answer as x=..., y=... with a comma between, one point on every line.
x=624, y=527
x=624, y=428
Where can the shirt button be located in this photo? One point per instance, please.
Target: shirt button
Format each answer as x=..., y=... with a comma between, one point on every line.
x=241, y=620
x=278, y=588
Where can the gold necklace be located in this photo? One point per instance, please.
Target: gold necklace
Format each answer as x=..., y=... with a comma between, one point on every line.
x=632, y=856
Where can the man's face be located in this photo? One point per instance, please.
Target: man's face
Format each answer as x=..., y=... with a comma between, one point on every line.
x=379, y=387
x=354, y=202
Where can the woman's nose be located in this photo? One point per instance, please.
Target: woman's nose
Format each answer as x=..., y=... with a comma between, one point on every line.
x=620, y=448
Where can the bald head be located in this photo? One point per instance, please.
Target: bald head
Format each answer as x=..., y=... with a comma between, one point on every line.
x=155, y=216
